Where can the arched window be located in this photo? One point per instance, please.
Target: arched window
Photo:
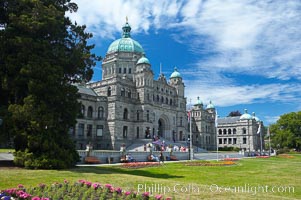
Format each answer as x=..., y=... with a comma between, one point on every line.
x=122, y=92
x=234, y=131
x=100, y=113
x=225, y=131
x=138, y=115
x=109, y=92
x=220, y=131
x=129, y=94
x=162, y=99
x=125, y=113
x=170, y=101
x=158, y=98
x=229, y=131
x=244, y=131
x=83, y=110
x=166, y=100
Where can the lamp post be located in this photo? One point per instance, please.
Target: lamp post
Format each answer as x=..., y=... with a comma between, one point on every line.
x=249, y=138
x=1, y=121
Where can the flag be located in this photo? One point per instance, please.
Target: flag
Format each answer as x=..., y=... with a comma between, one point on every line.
x=188, y=116
x=259, y=128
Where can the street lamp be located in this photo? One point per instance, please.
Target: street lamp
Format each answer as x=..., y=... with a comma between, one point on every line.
x=1, y=121
x=188, y=144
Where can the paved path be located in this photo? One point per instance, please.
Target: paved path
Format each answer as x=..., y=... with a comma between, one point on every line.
x=213, y=156
x=6, y=156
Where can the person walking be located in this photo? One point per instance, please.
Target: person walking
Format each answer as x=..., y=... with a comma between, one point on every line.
x=161, y=157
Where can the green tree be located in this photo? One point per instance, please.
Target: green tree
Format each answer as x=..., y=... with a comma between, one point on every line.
x=42, y=56
x=234, y=113
x=286, y=132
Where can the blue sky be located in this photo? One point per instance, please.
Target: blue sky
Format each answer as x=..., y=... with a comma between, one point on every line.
x=238, y=53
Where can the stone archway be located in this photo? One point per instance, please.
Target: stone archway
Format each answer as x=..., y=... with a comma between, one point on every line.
x=161, y=127
x=164, y=127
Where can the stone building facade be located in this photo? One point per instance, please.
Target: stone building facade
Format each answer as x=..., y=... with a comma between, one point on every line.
x=128, y=104
x=245, y=132
x=203, y=125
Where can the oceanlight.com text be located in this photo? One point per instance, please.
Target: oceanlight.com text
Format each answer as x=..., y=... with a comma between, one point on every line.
x=156, y=188
x=252, y=189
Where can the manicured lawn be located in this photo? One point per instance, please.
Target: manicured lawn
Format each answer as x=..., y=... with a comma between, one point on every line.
x=256, y=178
x=6, y=150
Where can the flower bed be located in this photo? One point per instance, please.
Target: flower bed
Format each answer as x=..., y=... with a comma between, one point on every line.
x=285, y=156
x=262, y=156
x=231, y=159
x=208, y=163
x=80, y=190
x=140, y=164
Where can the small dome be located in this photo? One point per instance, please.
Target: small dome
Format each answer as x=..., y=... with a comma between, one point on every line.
x=210, y=105
x=175, y=74
x=126, y=43
x=246, y=115
x=199, y=102
x=254, y=117
x=143, y=60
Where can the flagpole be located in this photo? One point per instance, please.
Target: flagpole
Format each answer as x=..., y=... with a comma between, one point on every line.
x=216, y=135
x=190, y=132
x=260, y=139
x=269, y=141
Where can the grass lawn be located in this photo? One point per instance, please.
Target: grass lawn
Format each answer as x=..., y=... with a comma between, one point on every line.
x=256, y=178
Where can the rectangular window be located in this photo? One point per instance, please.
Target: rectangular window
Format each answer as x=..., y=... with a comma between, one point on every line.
x=124, y=70
x=220, y=141
x=81, y=128
x=99, y=130
x=244, y=140
x=225, y=140
x=234, y=141
x=119, y=71
x=89, y=130
x=230, y=141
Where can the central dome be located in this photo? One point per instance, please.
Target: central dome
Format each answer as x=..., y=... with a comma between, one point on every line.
x=126, y=43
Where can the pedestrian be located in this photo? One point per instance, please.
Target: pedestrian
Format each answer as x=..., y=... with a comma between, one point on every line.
x=161, y=157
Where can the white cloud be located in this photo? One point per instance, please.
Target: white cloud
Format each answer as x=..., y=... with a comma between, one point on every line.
x=229, y=94
x=240, y=37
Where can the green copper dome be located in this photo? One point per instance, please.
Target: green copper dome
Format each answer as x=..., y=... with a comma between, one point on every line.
x=126, y=43
x=254, y=117
x=246, y=115
x=199, y=102
x=210, y=105
x=175, y=74
x=143, y=60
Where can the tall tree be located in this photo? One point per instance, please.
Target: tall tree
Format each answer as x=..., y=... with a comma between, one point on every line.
x=286, y=132
x=234, y=113
x=42, y=55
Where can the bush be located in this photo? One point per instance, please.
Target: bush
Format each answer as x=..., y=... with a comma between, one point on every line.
x=228, y=148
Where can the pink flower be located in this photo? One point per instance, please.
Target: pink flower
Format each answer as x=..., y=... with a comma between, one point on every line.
x=20, y=186
x=145, y=194
x=168, y=198
x=96, y=185
x=127, y=193
x=35, y=198
x=158, y=197
x=109, y=186
x=65, y=181
x=118, y=190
